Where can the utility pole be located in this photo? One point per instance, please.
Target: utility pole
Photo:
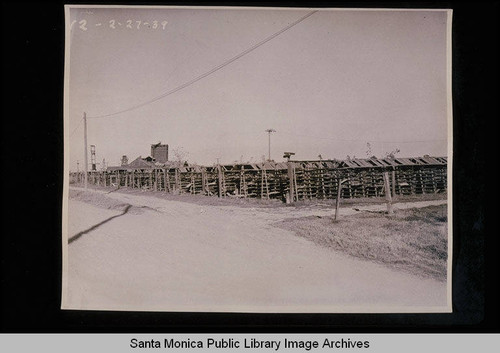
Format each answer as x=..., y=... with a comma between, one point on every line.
x=86, y=162
x=269, y=133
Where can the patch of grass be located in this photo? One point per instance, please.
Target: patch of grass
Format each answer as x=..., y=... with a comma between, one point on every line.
x=96, y=199
x=414, y=240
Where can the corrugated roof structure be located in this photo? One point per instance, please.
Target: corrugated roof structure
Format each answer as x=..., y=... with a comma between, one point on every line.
x=148, y=163
x=392, y=162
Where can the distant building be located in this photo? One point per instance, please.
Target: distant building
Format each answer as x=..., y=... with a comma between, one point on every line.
x=142, y=163
x=159, y=152
x=159, y=157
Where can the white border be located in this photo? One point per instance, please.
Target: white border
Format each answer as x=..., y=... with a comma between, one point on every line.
x=250, y=8
x=64, y=237
x=449, y=94
x=302, y=309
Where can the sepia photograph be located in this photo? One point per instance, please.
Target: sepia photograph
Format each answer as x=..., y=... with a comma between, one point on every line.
x=258, y=160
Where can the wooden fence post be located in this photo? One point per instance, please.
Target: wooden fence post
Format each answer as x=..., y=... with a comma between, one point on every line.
x=337, y=204
x=243, y=184
x=388, y=197
x=219, y=173
x=177, y=181
x=295, y=185
x=393, y=184
x=339, y=194
x=165, y=180
x=203, y=182
x=291, y=180
x=323, y=184
x=262, y=181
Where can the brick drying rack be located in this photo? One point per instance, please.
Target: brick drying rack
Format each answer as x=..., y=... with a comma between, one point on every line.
x=287, y=181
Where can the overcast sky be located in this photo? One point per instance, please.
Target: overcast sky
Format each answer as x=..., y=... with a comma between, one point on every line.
x=329, y=85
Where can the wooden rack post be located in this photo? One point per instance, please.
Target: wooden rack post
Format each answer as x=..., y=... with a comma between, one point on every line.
x=337, y=204
x=263, y=185
x=291, y=181
x=165, y=180
x=296, y=188
x=203, y=182
x=193, y=189
x=177, y=181
x=393, y=184
x=388, y=197
x=220, y=175
x=323, y=184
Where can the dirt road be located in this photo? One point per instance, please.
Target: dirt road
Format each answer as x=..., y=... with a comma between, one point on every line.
x=167, y=255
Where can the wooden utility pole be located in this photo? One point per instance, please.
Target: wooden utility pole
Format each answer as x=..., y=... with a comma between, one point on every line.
x=388, y=197
x=269, y=144
x=86, y=162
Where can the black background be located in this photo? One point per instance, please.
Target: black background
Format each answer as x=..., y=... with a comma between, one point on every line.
x=32, y=176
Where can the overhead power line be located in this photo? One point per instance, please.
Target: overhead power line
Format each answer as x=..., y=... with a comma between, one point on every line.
x=215, y=69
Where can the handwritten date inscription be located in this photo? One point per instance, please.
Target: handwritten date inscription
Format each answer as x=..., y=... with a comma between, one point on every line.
x=85, y=25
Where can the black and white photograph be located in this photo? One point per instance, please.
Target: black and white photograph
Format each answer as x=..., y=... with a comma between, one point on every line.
x=257, y=160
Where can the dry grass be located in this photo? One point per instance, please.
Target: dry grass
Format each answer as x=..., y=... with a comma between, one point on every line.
x=96, y=199
x=102, y=201
x=413, y=240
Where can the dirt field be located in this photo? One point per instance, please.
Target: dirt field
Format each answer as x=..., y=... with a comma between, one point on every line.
x=131, y=250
